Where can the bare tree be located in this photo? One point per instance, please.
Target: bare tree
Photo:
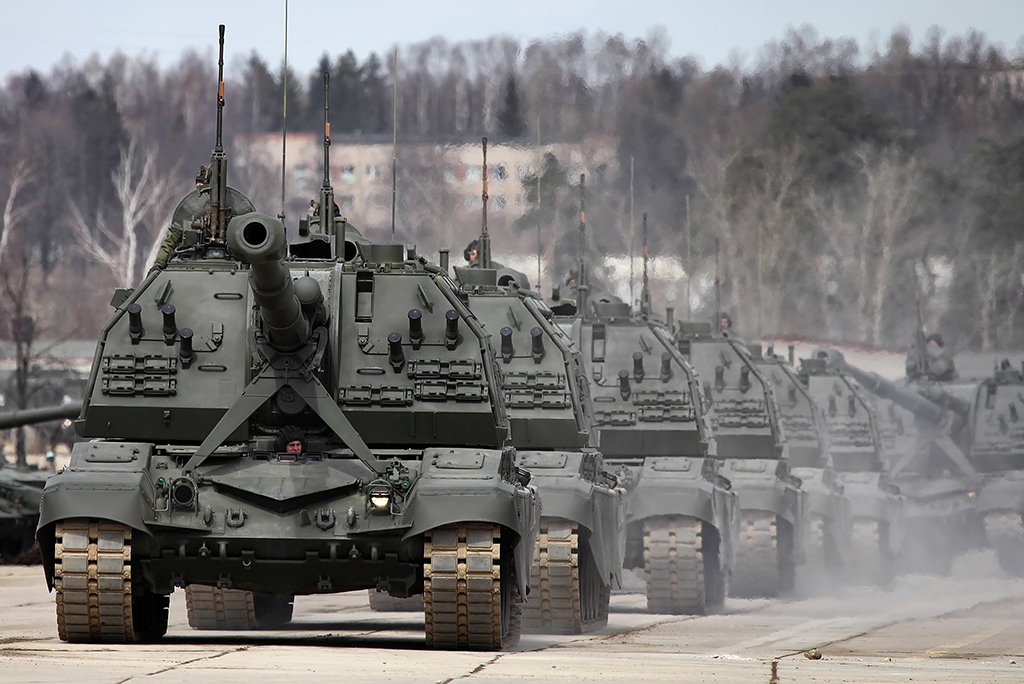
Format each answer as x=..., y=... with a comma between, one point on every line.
x=141, y=193
x=14, y=210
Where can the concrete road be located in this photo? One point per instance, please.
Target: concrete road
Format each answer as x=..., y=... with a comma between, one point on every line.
x=964, y=628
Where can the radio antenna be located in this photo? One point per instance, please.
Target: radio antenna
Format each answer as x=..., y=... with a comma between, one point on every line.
x=645, y=291
x=394, y=148
x=581, y=271
x=718, y=290
x=219, y=162
x=632, y=234
x=327, y=192
x=484, y=249
x=540, y=242
x=284, y=114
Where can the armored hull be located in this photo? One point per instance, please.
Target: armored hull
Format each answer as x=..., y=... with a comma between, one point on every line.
x=997, y=451
x=655, y=435
x=856, y=450
x=922, y=423
x=753, y=455
x=829, y=528
x=405, y=486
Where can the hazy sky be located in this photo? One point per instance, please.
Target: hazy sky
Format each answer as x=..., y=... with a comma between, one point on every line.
x=38, y=35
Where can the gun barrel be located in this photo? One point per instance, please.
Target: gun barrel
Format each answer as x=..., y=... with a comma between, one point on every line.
x=876, y=384
x=13, y=419
x=260, y=241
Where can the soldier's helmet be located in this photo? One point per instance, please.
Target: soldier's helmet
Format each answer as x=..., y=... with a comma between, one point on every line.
x=470, y=253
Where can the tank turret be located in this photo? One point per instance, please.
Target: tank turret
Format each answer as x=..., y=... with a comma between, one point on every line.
x=886, y=389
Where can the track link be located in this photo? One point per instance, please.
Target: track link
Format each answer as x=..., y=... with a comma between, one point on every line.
x=469, y=595
x=568, y=596
x=1004, y=531
x=97, y=600
x=674, y=566
x=386, y=603
x=212, y=608
x=758, y=564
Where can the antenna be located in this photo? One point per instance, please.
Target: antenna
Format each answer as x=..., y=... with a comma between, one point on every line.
x=327, y=192
x=483, y=258
x=218, y=163
x=718, y=291
x=689, y=267
x=581, y=271
x=284, y=114
x=632, y=232
x=540, y=245
x=645, y=292
x=394, y=149
x=922, y=357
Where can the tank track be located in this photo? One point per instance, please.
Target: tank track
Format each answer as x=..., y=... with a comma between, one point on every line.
x=213, y=608
x=674, y=567
x=469, y=595
x=386, y=603
x=870, y=559
x=97, y=600
x=757, y=573
x=568, y=597
x=1004, y=531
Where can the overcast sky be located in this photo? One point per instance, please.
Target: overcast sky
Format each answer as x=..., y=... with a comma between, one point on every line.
x=37, y=35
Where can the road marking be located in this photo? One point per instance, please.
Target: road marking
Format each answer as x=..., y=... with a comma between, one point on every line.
x=972, y=639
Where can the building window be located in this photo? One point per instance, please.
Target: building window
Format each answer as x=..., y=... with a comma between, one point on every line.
x=472, y=173
x=472, y=201
x=449, y=173
x=348, y=174
x=499, y=172
x=498, y=202
x=373, y=172
x=523, y=171
x=347, y=202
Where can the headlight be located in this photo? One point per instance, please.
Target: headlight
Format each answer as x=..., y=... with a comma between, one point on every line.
x=380, y=498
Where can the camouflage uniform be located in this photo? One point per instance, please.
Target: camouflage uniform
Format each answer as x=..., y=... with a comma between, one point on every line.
x=174, y=232
x=171, y=241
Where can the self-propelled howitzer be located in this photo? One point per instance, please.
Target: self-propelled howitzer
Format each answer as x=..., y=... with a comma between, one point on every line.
x=930, y=422
x=404, y=483
x=829, y=532
x=579, y=549
x=753, y=455
x=855, y=448
x=655, y=432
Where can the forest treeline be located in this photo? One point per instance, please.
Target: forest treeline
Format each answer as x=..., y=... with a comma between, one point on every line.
x=830, y=182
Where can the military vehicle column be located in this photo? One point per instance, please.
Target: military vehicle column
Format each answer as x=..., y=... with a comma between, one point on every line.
x=654, y=432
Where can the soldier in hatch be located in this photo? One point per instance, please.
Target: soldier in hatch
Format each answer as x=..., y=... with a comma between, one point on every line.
x=174, y=232
x=290, y=440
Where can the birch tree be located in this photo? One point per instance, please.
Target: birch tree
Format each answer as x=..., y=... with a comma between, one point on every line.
x=141, y=192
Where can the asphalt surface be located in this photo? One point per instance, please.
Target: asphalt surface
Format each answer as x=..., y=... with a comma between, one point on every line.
x=965, y=628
